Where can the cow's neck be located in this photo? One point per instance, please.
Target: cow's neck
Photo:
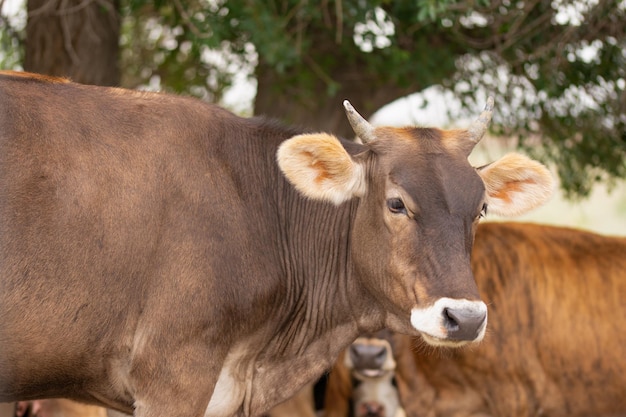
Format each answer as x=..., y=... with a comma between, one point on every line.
x=319, y=314
x=318, y=307
x=322, y=286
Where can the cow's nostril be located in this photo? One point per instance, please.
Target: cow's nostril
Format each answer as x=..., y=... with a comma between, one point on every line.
x=450, y=320
x=463, y=323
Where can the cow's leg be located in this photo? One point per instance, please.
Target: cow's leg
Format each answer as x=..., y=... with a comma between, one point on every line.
x=179, y=385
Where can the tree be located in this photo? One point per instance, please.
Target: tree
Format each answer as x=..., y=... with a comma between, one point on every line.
x=74, y=38
x=556, y=67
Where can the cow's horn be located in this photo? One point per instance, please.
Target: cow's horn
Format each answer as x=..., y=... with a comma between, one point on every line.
x=480, y=125
x=361, y=127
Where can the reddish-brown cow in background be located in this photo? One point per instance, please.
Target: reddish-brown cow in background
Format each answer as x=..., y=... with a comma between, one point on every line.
x=557, y=339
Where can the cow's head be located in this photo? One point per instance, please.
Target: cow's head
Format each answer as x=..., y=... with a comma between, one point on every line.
x=370, y=356
x=420, y=201
x=369, y=360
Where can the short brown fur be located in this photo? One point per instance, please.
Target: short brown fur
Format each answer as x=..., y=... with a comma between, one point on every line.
x=35, y=77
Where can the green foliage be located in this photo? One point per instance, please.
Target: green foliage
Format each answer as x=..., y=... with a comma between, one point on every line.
x=430, y=10
x=560, y=87
x=11, y=42
x=12, y=53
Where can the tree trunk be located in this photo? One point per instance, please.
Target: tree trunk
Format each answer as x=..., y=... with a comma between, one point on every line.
x=323, y=111
x=74, y=38
x=333, y=68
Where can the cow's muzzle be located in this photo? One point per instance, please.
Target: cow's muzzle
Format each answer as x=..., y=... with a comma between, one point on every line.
x=368, y=360
x=451, y=322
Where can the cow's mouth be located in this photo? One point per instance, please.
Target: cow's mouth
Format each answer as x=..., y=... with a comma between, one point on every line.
x=438, y=341
x=369, y=373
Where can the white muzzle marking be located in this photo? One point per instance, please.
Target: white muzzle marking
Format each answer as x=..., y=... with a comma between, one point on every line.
x=434, y=322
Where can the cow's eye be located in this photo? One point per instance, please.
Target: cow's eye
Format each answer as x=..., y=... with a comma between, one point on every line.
x=396, y=206
x=483, y=211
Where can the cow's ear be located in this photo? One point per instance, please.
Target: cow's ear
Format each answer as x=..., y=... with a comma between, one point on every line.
x=516, y=184
x=320, y=168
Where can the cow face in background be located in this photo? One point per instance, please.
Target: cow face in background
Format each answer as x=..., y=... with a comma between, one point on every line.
x=370, y=362
x=370, y=356
x=413, y=229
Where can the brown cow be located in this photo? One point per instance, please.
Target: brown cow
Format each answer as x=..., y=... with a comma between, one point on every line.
x=361, y=384
x=162, y=256
x=557, y=339
x=372, y=369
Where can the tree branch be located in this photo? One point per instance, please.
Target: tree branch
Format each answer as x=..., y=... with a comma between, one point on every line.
x=187, y=21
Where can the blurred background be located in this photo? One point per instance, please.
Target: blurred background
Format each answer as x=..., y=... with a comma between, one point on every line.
x=557, y=69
